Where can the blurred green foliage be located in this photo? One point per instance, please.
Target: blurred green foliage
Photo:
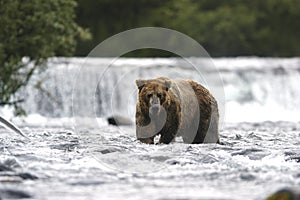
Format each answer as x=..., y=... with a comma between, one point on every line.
x=223, y=28
x=30, y=32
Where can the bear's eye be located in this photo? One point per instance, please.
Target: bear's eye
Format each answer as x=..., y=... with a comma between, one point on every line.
x=159, y=95
x=149, y=95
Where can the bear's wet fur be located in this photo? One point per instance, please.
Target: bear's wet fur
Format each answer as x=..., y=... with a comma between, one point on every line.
x=161, y=110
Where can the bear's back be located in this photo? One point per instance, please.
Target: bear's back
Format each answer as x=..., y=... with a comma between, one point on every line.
x=189, y=109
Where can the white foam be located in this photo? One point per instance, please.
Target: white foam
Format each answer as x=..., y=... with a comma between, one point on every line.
x=254, y=112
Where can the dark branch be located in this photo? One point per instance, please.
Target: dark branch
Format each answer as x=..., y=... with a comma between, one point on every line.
x=11, y=103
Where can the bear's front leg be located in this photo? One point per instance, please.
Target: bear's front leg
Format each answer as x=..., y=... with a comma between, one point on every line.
x=147, y=140
x=166, y=138
x=168, y=134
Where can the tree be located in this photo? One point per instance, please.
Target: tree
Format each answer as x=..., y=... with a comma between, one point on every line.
x=31, y=31
x=224, y=28
x=108, y=17
x=235, y=28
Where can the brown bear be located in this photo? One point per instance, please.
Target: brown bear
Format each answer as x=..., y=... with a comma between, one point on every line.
x=170, y=108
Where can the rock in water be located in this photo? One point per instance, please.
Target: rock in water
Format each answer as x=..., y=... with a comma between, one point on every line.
x=13, y=194
x=286, y=194
x=118, y=120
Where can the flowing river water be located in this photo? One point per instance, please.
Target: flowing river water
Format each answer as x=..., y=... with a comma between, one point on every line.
x=70, y=156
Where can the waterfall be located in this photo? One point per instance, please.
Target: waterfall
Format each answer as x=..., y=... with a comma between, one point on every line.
x=255, y=89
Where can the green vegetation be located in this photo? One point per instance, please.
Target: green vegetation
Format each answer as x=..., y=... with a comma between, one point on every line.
x=31, y=31
x=224, y=28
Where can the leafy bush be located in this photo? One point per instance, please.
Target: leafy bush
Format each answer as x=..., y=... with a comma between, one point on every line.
x=31, y=31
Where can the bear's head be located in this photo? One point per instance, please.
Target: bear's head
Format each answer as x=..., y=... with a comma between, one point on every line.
x=153, y=95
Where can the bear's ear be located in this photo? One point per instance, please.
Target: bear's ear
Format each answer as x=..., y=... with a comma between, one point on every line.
x=167, y=84
x=140, y=83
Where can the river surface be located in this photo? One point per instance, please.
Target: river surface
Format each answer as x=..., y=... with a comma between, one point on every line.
x=255, y=160
x=72, y=153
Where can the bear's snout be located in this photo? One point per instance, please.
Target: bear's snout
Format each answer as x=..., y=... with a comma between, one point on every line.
x=154, y=109
x=154, y=105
